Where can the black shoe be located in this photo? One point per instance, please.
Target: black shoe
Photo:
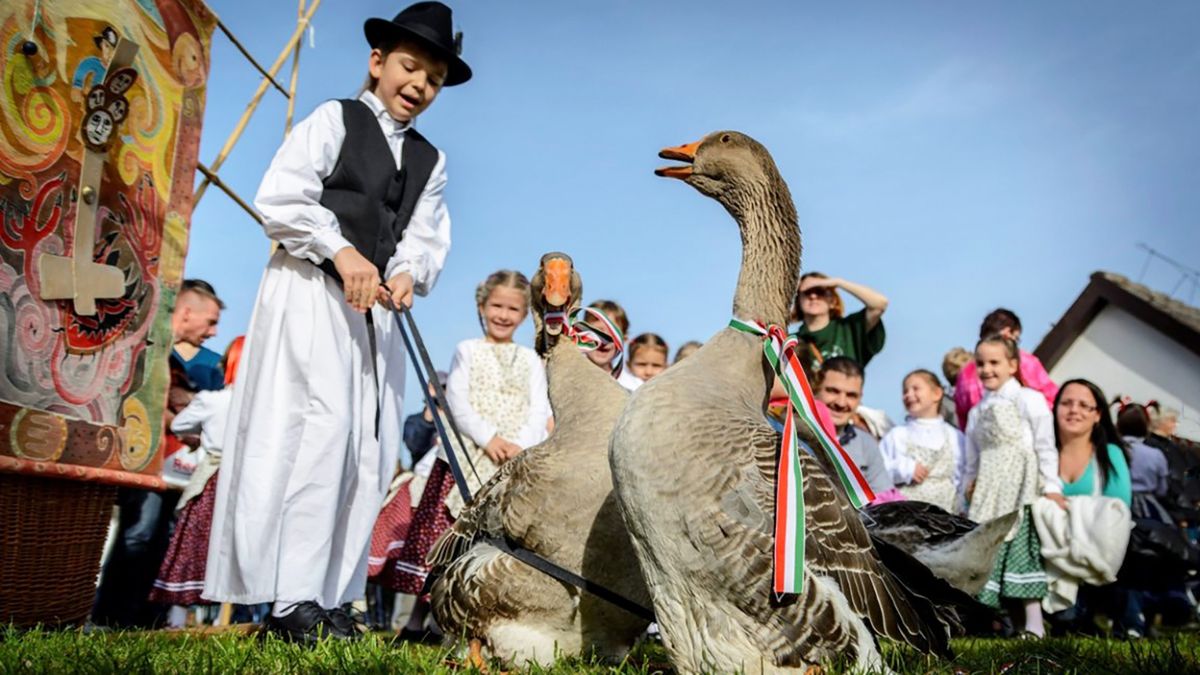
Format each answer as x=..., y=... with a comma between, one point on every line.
x=347, y=622
x=422, y=636
x=306, y=624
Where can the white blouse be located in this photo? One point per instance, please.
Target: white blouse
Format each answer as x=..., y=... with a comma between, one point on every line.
x=207, y=413
x=1034, y=411
x=928, y=433
x=472, y=423
x=289, y=197
x=628, y=380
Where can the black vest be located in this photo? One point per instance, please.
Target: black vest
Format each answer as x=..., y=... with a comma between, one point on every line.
x=373, y=201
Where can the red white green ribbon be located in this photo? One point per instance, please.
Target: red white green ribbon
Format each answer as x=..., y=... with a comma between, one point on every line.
x=587, y=336
x=780, y=350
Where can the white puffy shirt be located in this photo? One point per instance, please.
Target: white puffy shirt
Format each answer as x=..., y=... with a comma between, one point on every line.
x=926, y=432
x=289, y=197
x=471, y=423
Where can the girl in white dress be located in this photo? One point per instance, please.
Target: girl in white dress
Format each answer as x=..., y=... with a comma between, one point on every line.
x=925, y=455
x=497, y=394
x=1011, y=459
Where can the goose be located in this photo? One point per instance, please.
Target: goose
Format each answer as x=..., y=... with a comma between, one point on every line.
x=693, y=461
x=554, y=499
x=954, y=548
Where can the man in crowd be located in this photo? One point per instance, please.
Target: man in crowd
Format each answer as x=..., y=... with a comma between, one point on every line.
x=840, y=386
x=146, y=516
x=197, y=311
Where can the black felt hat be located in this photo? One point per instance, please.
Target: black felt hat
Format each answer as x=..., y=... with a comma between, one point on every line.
x=432, y=25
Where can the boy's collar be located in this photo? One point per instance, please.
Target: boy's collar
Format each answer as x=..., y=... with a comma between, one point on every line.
x=381, y=112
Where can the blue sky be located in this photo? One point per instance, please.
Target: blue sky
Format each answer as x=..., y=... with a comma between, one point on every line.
x=955, y=156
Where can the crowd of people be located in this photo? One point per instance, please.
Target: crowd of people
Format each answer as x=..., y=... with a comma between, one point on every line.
x=290, y=495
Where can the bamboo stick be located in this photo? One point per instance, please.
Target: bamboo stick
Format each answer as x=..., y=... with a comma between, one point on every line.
x=291, y=107
x=229, y=34
x=254, y=101
x=210, y=177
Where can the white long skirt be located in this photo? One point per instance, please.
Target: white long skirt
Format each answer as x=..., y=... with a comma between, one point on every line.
x=303, y=475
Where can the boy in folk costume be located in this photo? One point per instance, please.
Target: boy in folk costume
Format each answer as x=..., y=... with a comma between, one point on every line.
x=354, y=197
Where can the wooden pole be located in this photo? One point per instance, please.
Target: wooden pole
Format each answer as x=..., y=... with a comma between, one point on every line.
x=223, y=619
x=291, y=107
x=210, y=177
x=229, y=34
x=254, y=101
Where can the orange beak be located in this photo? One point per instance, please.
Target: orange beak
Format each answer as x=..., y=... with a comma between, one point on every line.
x=683, y=153
x=557, y=287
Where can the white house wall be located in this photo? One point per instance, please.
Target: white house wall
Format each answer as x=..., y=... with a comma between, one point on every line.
x=1125, y=355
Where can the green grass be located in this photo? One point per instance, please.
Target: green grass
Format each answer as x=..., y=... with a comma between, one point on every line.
x=157, y=652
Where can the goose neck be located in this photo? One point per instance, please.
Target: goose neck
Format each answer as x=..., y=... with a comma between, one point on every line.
x=770, y=255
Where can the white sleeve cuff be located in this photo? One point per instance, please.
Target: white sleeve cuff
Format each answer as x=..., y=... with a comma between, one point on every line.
x=326, y=244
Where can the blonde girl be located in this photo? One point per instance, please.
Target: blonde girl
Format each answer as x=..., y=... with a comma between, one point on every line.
x=1011, y=459
x=496, y=390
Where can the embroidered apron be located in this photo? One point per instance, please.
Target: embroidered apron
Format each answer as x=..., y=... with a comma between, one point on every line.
x=938, y=487
x=499, y=393
x=1008, y=471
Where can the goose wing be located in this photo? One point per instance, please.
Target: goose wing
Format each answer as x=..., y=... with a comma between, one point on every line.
x=481, y=517
x=837, y=547
x=510, y=506
x=913, y=522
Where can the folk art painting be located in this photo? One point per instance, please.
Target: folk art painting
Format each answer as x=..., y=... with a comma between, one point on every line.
x=100, y=119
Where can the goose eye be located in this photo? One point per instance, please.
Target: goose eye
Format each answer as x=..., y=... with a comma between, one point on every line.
x=725, y=138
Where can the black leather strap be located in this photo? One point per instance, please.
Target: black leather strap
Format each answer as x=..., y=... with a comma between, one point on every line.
x=568, y=577
x=437, y=405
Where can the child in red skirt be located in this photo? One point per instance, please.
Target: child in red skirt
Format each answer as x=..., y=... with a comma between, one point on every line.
x=181, y=577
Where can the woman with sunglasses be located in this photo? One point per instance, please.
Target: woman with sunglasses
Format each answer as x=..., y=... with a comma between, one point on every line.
x=859, y=336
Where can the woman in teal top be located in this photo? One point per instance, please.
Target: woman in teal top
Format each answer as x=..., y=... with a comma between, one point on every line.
x=1088, y=443
x=1117, y=484
x=1091, y=461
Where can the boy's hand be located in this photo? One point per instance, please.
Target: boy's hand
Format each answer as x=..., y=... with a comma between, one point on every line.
x=400, y=289
x=359, y=278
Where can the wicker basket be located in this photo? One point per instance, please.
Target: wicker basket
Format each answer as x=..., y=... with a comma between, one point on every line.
x=51, y=537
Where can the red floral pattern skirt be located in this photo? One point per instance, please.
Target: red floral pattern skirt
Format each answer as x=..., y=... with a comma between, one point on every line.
x=407, y=573
x=181, y=576
x=391, y=530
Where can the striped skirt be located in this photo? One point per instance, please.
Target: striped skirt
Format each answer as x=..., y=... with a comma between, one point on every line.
x=1018, y=572
x=181, y=576
x=407, y=572
x=390, y=533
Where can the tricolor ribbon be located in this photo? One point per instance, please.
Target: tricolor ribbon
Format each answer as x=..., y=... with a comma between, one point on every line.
x=780, y=350
x=587, y=337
